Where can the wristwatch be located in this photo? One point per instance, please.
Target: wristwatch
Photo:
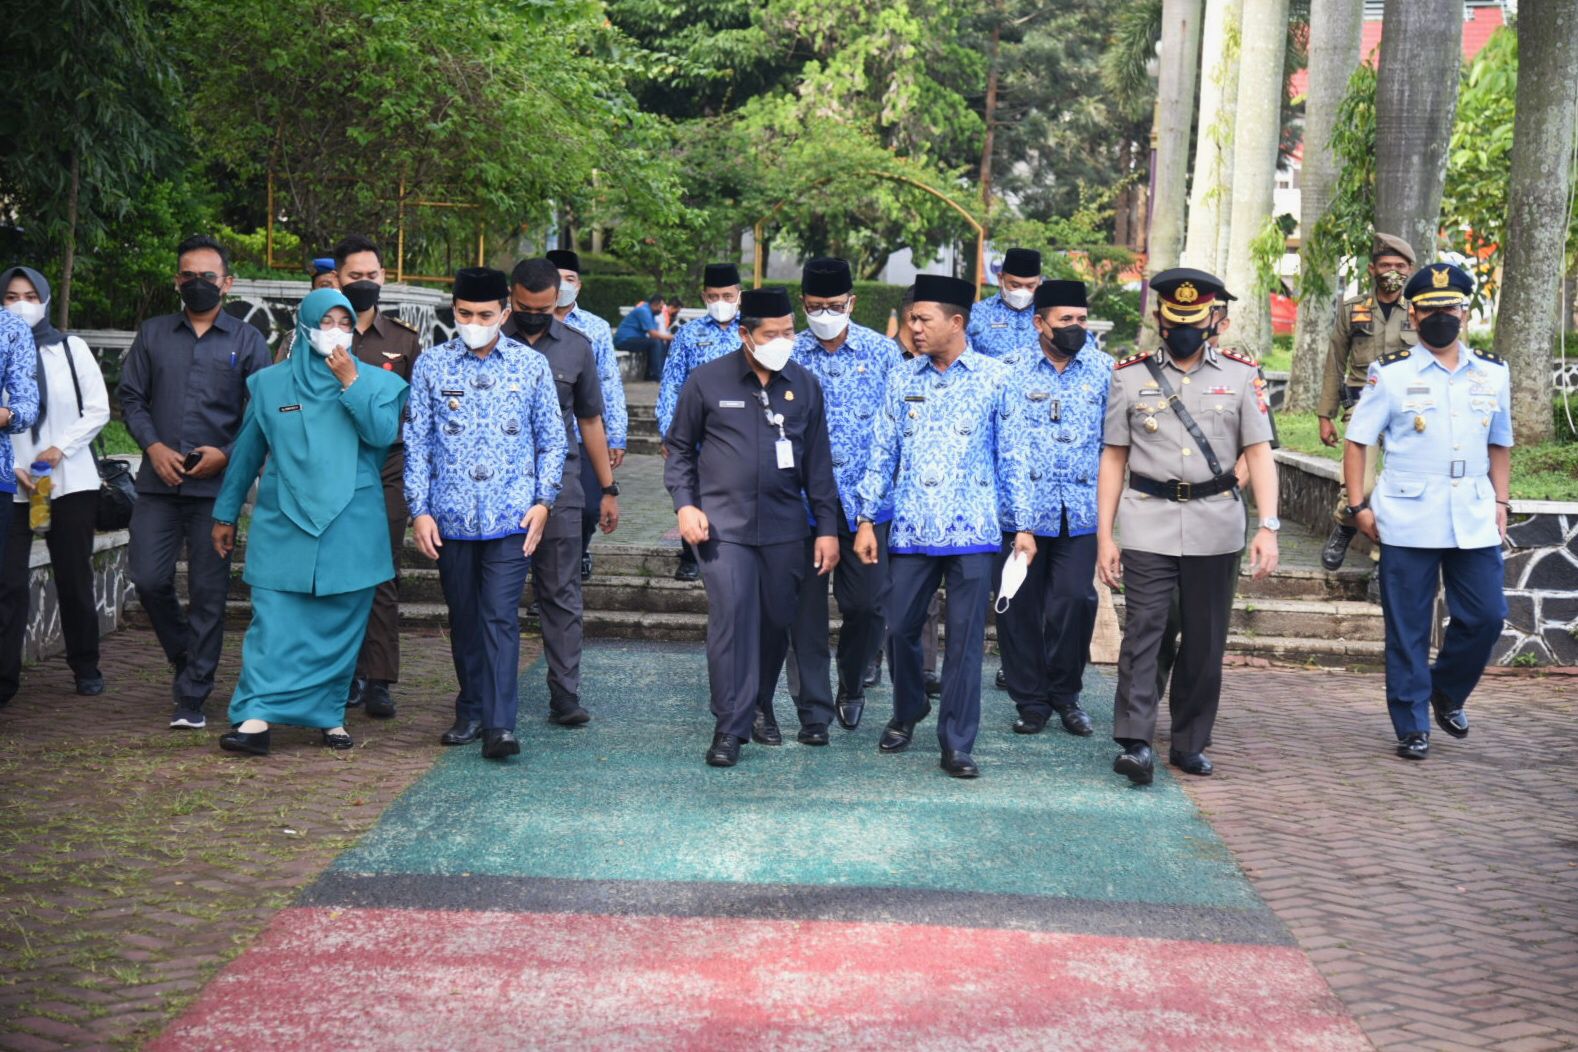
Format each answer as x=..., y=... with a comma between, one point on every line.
x=611, y=490
x=1272, y=523
x=1354, y=509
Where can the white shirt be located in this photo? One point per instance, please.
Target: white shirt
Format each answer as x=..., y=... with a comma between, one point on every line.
x=64, y=427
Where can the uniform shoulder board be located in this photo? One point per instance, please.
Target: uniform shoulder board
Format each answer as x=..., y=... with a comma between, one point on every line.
x=1133, y=359
x=1400, y=355
x=1237, y=357
x=406, y=325
x=1489, y=357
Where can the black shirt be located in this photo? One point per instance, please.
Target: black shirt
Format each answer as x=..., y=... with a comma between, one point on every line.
x=188, y=392
x=723, y=454
x=580, y=392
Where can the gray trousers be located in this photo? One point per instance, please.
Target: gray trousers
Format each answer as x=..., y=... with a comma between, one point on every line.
x=752, y=594
x=1205, y=586
x=861, y=593
x=161, y=526
x=556, y=585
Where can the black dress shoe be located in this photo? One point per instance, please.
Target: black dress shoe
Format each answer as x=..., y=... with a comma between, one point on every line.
x=849, y=709
x=1190, y=762
x=1413, y=746
x=464, y=732
x=1001, y=682
x=358, y=689
x=1449, y=717
x=725, y=751
x=1030, y=723
x=534, y=609
x=1076, y=721
x=764, y=729
x=1336, y=549
x=252, y=744
x=569, y=714
x=959, y=764
x=814, y=734
x=896, y=736
x=1136, y=763
x=688, y=571
x=933, y=684
x=338, y=741
x=873, y=676
x=90, y=686
x=499, y=745
x=375, y=697
x=586, y=566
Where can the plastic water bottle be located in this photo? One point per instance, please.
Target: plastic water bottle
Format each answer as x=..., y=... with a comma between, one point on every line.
x=38, y=515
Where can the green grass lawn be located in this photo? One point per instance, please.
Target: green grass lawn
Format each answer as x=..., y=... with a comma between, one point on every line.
x=1548, y=471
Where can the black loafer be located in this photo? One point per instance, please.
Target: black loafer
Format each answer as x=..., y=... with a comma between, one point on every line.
x=90, y=686
x=1030, y=723
x=1413, y=746
x=376, y=700
x=338, y=741
x=873, y=676
x=849, y=708
x=1449, y=718
x=1001, y=682
x=569, y=715
x=464, y=732
x=354, y=698
x=586, y=566
x=896, y=736
x=959, y=764
x=724, y=752
x=1191, y=762
x=764, y=729
x=250, y=744
x=1076, y=721
x=933, y=684
x=1336, y=549
x=815, y=734
x=499, y=745
x=688, y=571
x=1136, y=763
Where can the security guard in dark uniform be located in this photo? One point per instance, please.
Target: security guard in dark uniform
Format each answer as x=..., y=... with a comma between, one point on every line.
x=749, y=436
x=1439, y=509
x=1177, y=421
x=1369, y=326
x=556, y=567
x=393, y=345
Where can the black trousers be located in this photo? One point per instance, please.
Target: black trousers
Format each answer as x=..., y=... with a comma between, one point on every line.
x=915, y=579
x=1169, y=652
x=1205, y=586
x=482, y=582
x=162, y=525
x=1045, y=633
x=752, y=595
x=861, y=593
x=70, y=541
x=380, y=654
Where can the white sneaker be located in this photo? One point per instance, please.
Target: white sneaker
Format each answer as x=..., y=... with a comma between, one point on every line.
x=185, y=719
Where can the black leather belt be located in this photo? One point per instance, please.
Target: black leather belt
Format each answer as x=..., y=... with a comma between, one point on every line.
x=1178, y=490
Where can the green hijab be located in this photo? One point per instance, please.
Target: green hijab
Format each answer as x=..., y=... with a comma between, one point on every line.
x=314, y=450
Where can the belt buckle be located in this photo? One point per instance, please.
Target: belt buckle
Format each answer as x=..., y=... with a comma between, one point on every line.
x=1459, y=469
x=1181, y=490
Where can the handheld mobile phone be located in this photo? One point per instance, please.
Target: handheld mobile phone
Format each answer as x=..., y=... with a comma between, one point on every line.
x=193, y=459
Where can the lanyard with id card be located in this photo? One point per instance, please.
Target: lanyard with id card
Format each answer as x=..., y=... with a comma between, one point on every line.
x=784, y=447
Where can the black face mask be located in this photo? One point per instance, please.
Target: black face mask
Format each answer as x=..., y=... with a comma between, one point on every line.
x=200, y=296
x=532, y=324
x=1068, y=340
x=1440, y=330
x=1186, y=343
x=362, y=294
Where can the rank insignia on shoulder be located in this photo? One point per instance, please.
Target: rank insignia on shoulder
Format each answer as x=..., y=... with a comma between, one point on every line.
x=1238, y=356
x=1132, y=359
x=1490, y=357
x=405, y=325
x=1400, y=355
x=1360, y=317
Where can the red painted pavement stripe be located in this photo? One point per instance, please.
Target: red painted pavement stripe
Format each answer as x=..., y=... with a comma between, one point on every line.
x=352, y=979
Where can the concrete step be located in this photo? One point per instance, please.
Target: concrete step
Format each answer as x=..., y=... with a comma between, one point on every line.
x=1315, y=620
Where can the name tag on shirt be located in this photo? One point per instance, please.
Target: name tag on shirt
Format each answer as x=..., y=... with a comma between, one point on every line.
x=999, y=325
x=915, y=398
x=729, y=403
x=452, y=394
x=785, y=453
x=290, y=409
x=1419, y=390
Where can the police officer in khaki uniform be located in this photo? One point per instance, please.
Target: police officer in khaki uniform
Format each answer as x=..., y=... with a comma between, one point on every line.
x=1177, y=421
x=1369, y=325
x=392, y=345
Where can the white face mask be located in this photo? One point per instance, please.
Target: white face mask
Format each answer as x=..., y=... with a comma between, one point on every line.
x=1014, y=572
x=772, y=355
x=327, y=341
x=1018, y=299
x=567, y=293
x=28, y=311
x=827, y=324
x=478, y=336
x=723, y=311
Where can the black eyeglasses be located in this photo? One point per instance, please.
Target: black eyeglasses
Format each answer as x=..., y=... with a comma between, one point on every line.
x=204, y=275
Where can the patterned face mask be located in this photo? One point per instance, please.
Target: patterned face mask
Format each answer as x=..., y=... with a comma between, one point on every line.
x=1389, y=281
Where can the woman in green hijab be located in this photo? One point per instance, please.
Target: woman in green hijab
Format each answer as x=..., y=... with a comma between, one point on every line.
x=324, y=423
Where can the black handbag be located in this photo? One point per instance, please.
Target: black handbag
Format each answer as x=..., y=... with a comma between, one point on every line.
x=117, y=488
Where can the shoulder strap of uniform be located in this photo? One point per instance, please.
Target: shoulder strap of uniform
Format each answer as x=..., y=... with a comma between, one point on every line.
x=1237, y=357
x=1402, y=354
x=1133, y=359
x=1489, y=357
x=404, y=324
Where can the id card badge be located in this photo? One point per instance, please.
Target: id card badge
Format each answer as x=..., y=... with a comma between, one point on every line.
x=785, y=453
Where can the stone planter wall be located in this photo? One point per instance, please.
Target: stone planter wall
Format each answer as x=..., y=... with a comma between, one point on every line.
x=111, y=589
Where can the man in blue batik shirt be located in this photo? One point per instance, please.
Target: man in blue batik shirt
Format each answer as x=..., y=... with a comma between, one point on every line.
x=1439, y=509
x=616, y=419
x=941, y=450
x=1057, y=401
x=1005, y=323
x=696, y=344
x=485, y=447
x=18, y=384
x=852, y=364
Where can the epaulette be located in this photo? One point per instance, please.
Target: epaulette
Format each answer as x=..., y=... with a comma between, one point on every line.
x=1489, y=357
x=1225, y=353
x=405, y=325
x=1133, y=359
x=1400, y=355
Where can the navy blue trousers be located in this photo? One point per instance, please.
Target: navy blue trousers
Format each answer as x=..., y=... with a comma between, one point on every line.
x=752, y=594
x=861, y=592
x=1045, y=632
x=482, y=582
x=914, y=581
x=1473, y=579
